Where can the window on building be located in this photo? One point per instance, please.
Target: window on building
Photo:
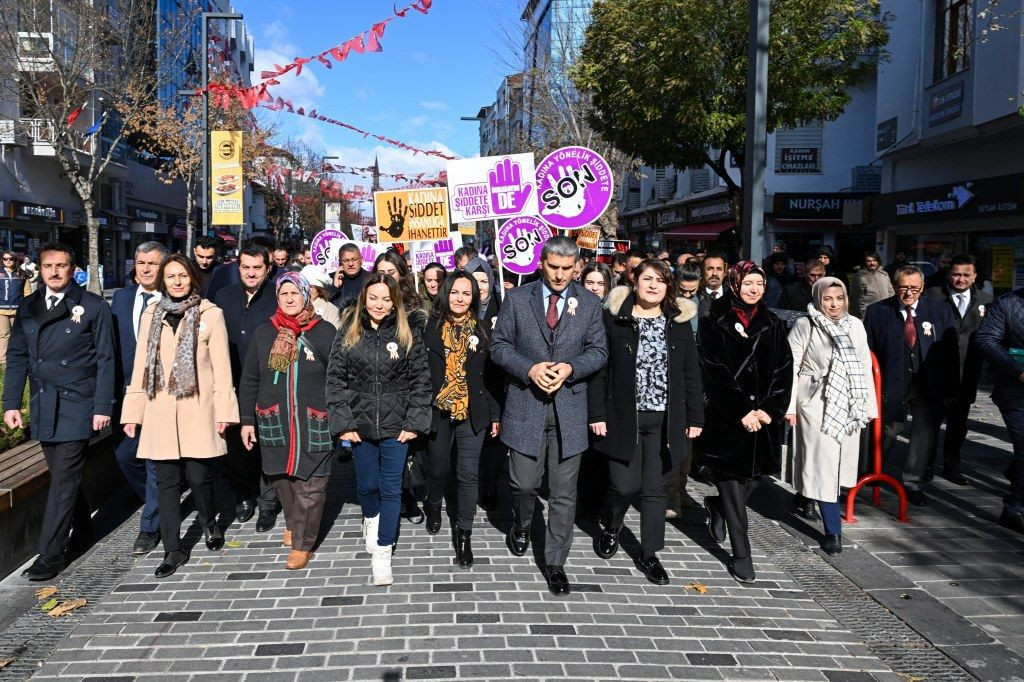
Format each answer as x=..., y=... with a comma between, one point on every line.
x=952, y=37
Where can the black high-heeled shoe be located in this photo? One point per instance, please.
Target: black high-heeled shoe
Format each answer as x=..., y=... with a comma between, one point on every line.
x=214, y=537
x=433, y=519
x=463, y=548
x=171, y=563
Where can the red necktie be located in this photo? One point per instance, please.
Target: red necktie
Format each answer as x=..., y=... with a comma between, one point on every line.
x=909, y=330
x=553, y=311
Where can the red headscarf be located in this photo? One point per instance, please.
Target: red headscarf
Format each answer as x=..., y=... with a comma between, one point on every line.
x=737, y=273
x=286, y=348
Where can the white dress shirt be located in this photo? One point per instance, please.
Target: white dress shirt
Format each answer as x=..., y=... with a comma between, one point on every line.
x=137, y=308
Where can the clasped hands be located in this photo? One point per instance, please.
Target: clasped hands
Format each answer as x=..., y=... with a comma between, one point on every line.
x=755, y=419
x=549, y=376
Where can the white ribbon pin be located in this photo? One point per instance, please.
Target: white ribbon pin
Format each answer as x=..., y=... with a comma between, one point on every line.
x=981, y=311
x=309, y=354
x=474, y=341
x=76, y=314
x=202, y=326
x=393, y=350
x=740, y=330
x=573, y=303
x=927, y=328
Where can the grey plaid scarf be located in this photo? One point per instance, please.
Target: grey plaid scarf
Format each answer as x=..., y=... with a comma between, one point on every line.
x=846, y=394
x=183, y=382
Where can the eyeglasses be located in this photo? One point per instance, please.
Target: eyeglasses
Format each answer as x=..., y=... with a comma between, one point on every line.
x=909, y=290
x=8, y=258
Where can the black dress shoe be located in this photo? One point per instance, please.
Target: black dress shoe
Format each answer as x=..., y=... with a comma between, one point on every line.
x=245, y=509
x=433, y=519
x=518, y=540
x=1013, y=521
x=916, y=498
x=266, y=521
x=171, y=563
x=558, y=581
x=214, y=537
x=654, y=571
x=44, y=568
x=832, y=545
x=488, y=501
x=411, y=512
x=146, y=542
x=463, y=548
x=955, y=477
x=716, y=520
x=608, y=544
x=804, y=508
x=929, y=475
x=742, y=570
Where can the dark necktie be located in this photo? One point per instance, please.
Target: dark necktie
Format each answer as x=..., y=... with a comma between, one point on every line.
x=138, y=320
x=53, y=301
x=909, y=330
x=553, y=311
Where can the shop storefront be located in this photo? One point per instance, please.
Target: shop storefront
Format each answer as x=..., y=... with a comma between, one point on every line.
x=24, y=227
x=178, y=232
x=983, y=217
x=806, y=221
x=710, y=225
x=638, y=229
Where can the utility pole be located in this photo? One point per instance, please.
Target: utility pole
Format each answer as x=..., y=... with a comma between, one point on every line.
x=206, y=16
x=755, y=154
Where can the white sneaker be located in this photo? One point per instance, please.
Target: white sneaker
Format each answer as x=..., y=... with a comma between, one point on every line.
x=371, y=526
x=381, y=563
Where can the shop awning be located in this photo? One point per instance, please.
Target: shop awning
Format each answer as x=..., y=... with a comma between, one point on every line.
x=701, y=231
x=808, y=222
x=228, y=238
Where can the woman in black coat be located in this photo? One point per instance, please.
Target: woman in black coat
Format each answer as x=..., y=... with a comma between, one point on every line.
x=747, y=367
x=464, y=410
x=378, y=399
x=282, y=404
x=644, y=405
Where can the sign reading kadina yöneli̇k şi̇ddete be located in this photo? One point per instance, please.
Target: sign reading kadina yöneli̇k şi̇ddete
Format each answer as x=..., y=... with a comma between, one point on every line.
x=409, y=215
x=492, y=187
x=520, y=241
x=225, y=181
x=325, y=247
x=574, y=187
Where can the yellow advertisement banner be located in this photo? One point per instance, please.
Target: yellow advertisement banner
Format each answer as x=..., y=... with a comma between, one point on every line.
x=226, y=188
x=587, y=238
x=411, y=214
x=467, y=229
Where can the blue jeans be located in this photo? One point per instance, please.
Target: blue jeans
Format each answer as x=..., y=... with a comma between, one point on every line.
x=379, y=467
x=1013, y=416
x=141, y=476
x=831, y=517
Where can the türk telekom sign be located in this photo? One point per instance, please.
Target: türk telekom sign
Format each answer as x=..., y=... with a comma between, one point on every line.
x=967, y=200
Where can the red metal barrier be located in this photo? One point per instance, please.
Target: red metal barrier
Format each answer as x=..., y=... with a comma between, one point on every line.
x=876, y=477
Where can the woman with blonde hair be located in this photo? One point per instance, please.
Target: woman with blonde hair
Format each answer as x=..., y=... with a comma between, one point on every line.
x=378, y=399
x=833, y=400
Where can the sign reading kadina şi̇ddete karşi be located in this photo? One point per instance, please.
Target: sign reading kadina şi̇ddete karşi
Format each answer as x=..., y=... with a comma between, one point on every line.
x=409, y=215
x=492, y=187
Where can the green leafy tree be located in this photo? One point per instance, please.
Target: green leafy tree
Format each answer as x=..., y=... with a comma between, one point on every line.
x=668, y=78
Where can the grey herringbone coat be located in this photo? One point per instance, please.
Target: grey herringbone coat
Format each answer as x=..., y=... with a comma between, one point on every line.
x=521, y=339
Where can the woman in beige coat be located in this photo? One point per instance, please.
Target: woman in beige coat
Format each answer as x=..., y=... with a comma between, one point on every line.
x=181, y=392
x=833, y=399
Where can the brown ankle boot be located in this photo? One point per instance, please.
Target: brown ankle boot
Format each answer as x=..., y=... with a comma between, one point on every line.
x=287, y=540
x=297, y=559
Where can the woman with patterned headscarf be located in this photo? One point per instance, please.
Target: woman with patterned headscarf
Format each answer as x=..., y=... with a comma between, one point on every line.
x=284, y=408
x=833, y=400
x=746, y=365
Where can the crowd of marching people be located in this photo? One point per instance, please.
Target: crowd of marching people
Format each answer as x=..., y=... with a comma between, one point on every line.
x=604, y=384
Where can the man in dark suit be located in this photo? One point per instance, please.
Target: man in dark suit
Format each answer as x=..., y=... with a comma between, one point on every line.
x=127, y=308
x=714, y=286
x=914, y=339
x=550, y=340
x=352, y=276
x=968, y=305
x=62, y=341
x=247, y=305
x=797, y=295
x=204, y=256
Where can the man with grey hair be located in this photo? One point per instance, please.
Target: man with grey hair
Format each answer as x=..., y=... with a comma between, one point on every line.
x=915, y=341
x=127, y=308
x=550, y=340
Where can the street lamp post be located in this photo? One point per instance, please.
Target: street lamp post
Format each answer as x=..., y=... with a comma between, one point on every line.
x=755, y=154
x=206, y=17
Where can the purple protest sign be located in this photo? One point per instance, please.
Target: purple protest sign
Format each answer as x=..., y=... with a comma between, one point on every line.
x=574, y=187
x=324, y=248
x=520, y=241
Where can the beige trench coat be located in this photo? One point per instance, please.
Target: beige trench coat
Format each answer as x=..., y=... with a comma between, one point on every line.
x=173, y=428
x=821, y=464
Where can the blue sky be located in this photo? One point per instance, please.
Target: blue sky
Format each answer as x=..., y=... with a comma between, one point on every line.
x=433, y=69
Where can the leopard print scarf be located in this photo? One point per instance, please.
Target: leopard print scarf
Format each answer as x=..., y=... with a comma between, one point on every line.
x=183, y=382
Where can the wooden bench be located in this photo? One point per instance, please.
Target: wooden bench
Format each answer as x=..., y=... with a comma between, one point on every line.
x=22, y=472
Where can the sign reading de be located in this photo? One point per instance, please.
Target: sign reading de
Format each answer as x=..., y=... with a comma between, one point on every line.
x=520, y=241
x=411, y=214
x=492, y=187
x=574, y=187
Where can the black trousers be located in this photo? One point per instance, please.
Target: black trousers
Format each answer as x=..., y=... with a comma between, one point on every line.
x=924, y=431
x=646, y=472
x=65, y=503
x=734, y=495
x=593, y=481
x=199, y=474
x=493, y=460
x=956, y=435
x=244, y=471
x=439, y=457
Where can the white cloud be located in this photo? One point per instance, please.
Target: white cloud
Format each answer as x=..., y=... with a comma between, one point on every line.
x=434, y=106
x=274, y=48
x=420, y=57
x=417, y=121
x=362, y=94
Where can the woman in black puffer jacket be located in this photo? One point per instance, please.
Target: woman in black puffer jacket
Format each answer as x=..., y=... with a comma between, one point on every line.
x=378, y=398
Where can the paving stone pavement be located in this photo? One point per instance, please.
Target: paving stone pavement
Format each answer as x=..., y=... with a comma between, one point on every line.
x=238, y=614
